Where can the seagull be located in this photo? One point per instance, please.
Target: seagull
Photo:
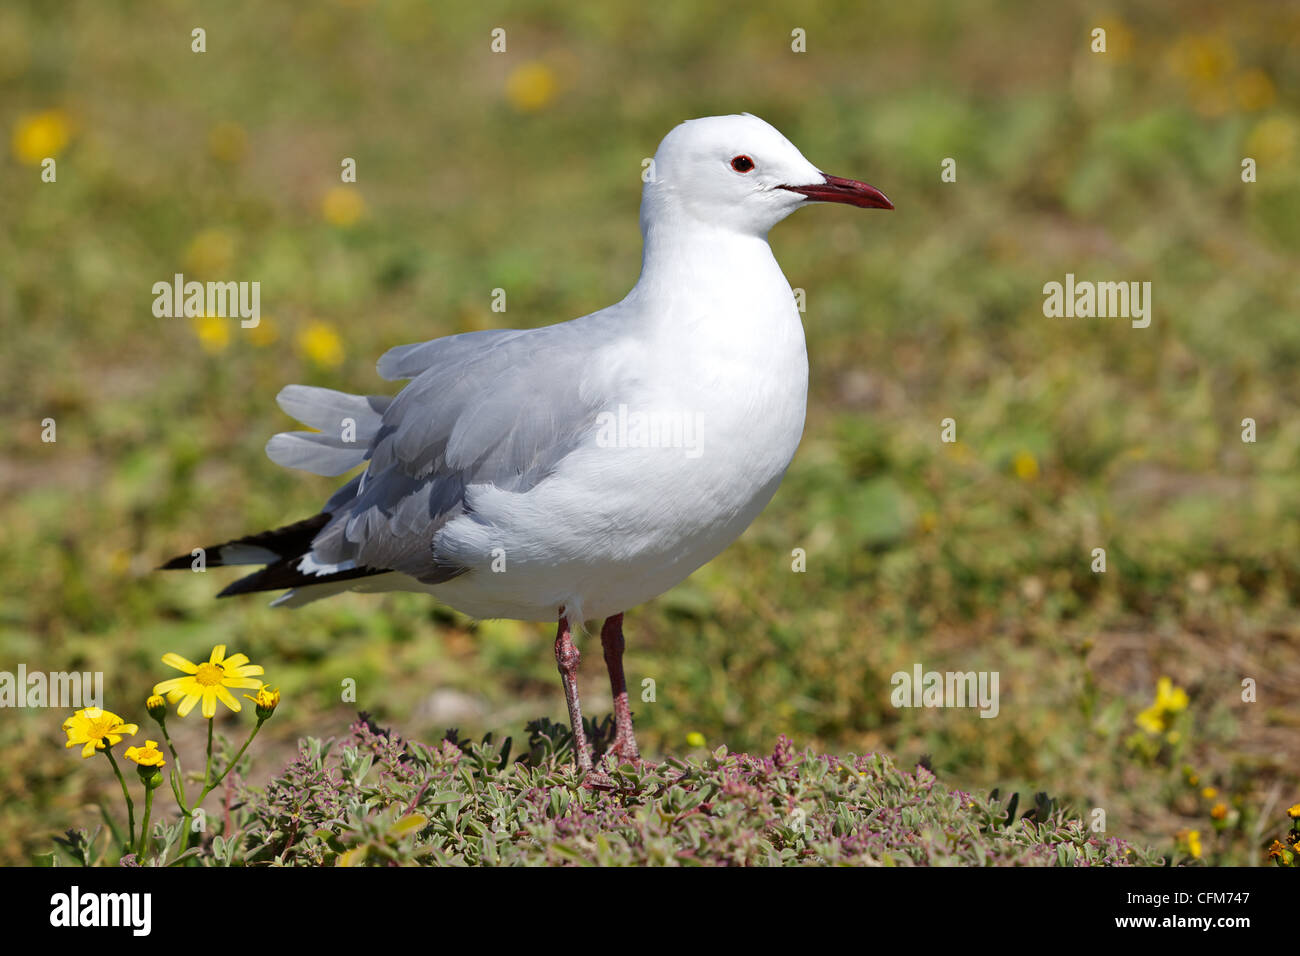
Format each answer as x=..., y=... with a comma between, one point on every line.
x=574, y=471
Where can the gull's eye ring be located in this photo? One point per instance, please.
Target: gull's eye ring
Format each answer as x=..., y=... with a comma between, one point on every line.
x=742, y=164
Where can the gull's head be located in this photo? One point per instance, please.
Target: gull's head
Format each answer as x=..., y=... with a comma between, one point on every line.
x=739, y=173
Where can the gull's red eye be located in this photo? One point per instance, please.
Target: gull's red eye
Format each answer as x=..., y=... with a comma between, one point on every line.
x=742, y=164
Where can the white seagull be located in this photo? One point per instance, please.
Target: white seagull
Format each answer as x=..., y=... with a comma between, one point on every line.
x=579, y=469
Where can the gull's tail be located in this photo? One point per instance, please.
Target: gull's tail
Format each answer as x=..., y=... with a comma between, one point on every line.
x=345, y=427
x=286, y=554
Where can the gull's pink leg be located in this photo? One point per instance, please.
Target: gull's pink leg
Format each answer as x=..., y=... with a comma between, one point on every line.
x=611, y=640
x=568, y=658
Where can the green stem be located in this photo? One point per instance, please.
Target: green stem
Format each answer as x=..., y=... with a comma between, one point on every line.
x=170, y=746
x=177, y=780
x=188, y=812
x=130, y=806
x=222, y=777
x=144, y=827
x=208, y=783
x=207, y=770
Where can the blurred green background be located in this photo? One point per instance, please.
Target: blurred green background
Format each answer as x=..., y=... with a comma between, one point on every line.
x=521, y=170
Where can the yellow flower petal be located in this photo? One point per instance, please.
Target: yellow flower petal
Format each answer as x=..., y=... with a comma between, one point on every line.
x=180, y=663
x=227, y=698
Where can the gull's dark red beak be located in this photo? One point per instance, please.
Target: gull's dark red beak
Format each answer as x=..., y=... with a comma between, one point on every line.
x=848, y=191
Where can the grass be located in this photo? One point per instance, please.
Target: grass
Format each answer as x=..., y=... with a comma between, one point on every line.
x=520, y=171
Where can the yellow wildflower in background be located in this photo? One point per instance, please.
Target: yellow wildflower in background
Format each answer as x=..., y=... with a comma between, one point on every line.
x=208, y=681
x=695, y=739
x=264, y=333
x=342, y=206
x=1209, y=793
x=1169, y=701
x=1254, y=90
x=228, y=142
x=1205, y=62
x=1293, y=811
x=321, y=344
x=531, y=86
x=92, y=726
x=1194, y=844
x=213, y=332
x=147, y=756
x=1273, y=141
x=1204, y=58
x=37, y=136
x=1026, y=466
x=1219, y=811
x=210, y=253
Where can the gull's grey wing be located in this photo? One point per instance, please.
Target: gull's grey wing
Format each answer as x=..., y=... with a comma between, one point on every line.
x=500, y=407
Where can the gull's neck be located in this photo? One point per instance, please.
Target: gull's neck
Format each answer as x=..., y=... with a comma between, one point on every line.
x=685, y=260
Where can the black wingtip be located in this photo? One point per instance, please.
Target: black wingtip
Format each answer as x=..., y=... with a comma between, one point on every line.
x=288, y=541
x=284, y=575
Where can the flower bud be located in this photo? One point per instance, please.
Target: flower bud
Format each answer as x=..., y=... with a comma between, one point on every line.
x=157, y=707
x=266, y=701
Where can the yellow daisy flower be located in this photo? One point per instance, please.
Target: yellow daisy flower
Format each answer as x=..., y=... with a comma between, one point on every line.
x=321, y=344
x=1169, y=701
x=208, y=681
x=1151, y=720
x=210, y=253
x=342, y=206
x=1025, y=466
x=1169, y=698
x=228, y=142
x=531, y=86
x=93, y=726
x=37, y=136
x=147, y=756
x=1293, y=811
x=213, y=332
